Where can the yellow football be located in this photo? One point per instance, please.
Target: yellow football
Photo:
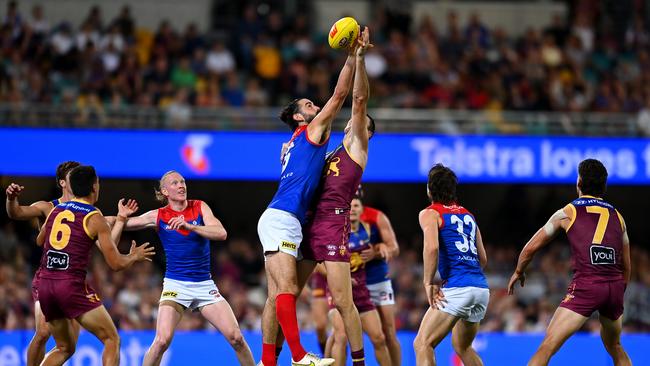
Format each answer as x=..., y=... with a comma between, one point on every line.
x=343, y=33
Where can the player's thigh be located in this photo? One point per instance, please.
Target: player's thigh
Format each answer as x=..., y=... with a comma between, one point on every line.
x=610, y=330
x=62, y=332
x=371, y=324
x=434, y=327
x=220, y=315
x=387, y=316
x=464, y=333
x=39, y=319
x=304, y=269
x=170, y=314
x=281, y=270
x=564, y=324
x=99, y=323
x=338, y=279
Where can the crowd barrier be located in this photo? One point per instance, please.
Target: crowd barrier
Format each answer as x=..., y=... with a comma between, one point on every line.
x=210, y=348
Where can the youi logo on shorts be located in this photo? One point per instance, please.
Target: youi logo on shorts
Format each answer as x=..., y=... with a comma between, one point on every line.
x=193, y=153
x=602, y=255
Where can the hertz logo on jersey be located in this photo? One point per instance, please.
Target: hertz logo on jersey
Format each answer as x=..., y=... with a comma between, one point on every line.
x=170, y=294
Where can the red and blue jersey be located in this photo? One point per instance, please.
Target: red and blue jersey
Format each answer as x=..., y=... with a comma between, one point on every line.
x=188, y=253
x=376, y=269
x=458, y=261
x=302, y=166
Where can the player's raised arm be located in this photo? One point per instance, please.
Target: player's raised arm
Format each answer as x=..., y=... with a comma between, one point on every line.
x=124, y=210
x=322, y=123
x=145, y=221
x=116, y=261
x=560, y=220
x=361, y=91
x=16, y=211
x=213, y=229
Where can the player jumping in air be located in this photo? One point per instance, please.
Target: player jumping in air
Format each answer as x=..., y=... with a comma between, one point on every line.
x=453, y=246
x=185, y=228
x=280, y=226
x=600, y=251
x=329, y=229
x=68, y=236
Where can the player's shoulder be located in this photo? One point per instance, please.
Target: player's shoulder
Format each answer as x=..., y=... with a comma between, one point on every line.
x=443, y=209
x=370, y=215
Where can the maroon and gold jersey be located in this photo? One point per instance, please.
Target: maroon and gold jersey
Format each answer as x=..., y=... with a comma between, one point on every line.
x=596, y=237
x=66, y=251
x=340, y=183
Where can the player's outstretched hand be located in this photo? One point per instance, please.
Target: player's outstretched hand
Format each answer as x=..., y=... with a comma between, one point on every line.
x=384, y=252
x=521, y=277
x=368, y=255
x=143, y=252
x=364, y=42
x=126, y=209
x=13, y=191
x=177, y=223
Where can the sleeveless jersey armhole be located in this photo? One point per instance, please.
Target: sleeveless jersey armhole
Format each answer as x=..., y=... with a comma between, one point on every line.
x=620, y=220
x=85, y=223
x=441, y=222
x=572, y=217
x=313, y=142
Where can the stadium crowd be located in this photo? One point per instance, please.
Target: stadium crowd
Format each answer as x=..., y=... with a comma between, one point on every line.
x=131, y=297
x=576, y=63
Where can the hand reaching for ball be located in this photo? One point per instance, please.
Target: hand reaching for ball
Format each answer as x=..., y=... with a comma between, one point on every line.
x=363, y=42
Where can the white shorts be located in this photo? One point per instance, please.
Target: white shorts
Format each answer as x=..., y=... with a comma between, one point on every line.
x=382, y=293
x=469, y=303
x=192, y=295
x=280, y=231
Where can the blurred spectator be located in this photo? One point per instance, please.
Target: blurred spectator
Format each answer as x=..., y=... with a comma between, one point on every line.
x=571, y=65
x=220, y=60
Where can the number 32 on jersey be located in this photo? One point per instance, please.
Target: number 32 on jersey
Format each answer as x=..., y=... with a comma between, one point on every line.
x=468, y=242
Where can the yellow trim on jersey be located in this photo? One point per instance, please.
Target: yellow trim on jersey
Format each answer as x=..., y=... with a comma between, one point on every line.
x=86, y=222
x=573, y=216
x=620, y=219
x=80, y=200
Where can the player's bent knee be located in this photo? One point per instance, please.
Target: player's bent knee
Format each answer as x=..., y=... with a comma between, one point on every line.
x=378, y=340
x=160, y=344
x=41, y=335
x=420, y=344
x=236, y=339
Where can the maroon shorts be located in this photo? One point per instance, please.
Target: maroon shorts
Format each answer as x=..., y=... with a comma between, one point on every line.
x=360, y=296
x=318, y=285
x=328, y=238
x=66, y=298
x=604, y=297
x=35, y=280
